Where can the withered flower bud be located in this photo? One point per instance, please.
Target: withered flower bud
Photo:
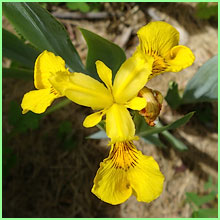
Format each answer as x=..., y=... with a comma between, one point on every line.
x=154, y=103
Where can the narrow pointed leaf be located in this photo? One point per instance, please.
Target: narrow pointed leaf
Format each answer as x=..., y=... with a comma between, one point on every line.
x=38, y=26
x=145, y=130
x=15, y=49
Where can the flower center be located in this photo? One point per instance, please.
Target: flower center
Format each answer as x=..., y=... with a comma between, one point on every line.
x=124, y=155
x=159, y=64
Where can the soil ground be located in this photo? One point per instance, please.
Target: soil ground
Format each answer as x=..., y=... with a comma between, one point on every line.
x=49, y=180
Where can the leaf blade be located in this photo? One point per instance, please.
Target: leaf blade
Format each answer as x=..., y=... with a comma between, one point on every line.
x=43, y=31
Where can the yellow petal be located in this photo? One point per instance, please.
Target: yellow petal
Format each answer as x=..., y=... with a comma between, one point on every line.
x=127, y=171
x=104, y=73
x=119, y=124
x=146, y=179
x=131, y=77
x=157, y=37
x=137, y=103
x=37, y=101
x=93, y=119
x=83, y=90
x=179, y=58
x=46, y=65
x=111, y=184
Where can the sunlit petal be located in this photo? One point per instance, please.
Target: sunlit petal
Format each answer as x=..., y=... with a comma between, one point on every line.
x=37, y=101
x=131, y=77
x=127, y=171
x=137, y=103
x=46, y=65
x=158, y=37
x=119, y=124
x=179, y=58
x=93, y=119
x=83, y=90
x=104, y=73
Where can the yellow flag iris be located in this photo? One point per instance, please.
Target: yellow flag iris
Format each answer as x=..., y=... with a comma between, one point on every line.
x=46, y=65
x=110, y=100
x=160, y=40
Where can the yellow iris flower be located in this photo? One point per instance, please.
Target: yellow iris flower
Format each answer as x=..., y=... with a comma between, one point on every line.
x=126, y=171
x=110, y=100
x=160, y=40
x=46, y=65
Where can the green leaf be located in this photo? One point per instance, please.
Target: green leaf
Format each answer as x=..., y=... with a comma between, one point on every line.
x=101, y=49
x=144, y=129
x=176, y=143
x=20, y=122
x=38, y=26
x=203, y=87
x=206, y=213
x=98, y=135
x=81, y=6
x=204, y=11
x=18, y=73
x=57, y=106
x=200, y=200
x=15, y=49
x=173, y=98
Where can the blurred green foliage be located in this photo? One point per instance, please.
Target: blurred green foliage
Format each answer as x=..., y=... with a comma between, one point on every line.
x=203, y=206
x=203, y=87
x=206, y=11
x=66, y=135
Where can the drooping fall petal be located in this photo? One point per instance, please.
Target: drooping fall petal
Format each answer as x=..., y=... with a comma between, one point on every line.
x=37, y=101
x=127, y=171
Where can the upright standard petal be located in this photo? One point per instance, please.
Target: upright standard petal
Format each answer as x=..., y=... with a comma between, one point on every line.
x=37, y=101
x=131, y=77
x=104, y=73
x=83, y=90
x=157, y=37
x=119, y=124
x=46, y=65
x=178, y=58
x=127, y=171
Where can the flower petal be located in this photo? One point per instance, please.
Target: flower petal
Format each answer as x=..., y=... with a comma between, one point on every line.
x=131, y=77
x=83, y=90
x=157, y=37
x=93, y=119
x=46, y=65
x=104, y=73
x=37, y=101
x=146, y=179
x=127, y=171
x=119, y=124
x=111, y=184
x=137, y=103
x=179, y=58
